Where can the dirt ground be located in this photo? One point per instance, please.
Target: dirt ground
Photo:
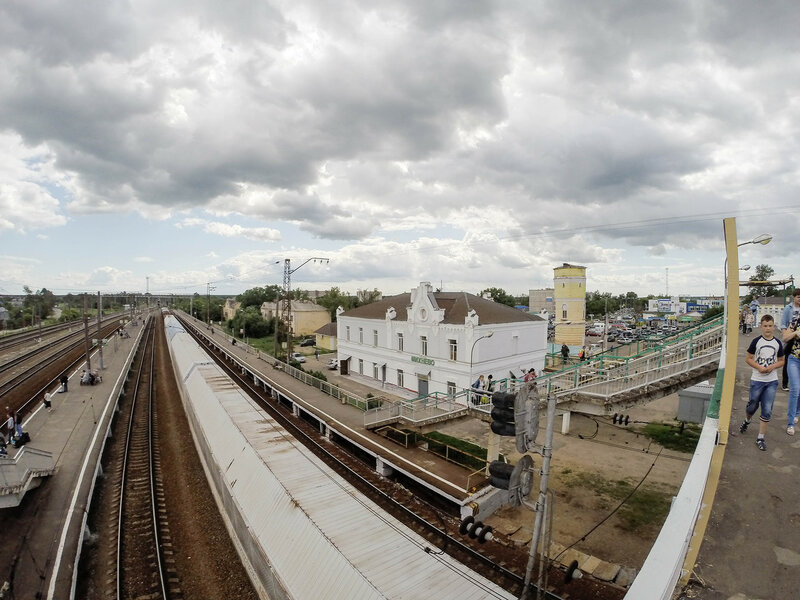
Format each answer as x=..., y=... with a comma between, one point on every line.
x=593, y=468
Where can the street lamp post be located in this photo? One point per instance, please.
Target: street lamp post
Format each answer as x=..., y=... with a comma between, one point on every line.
x=487, y=335
x=722, y=398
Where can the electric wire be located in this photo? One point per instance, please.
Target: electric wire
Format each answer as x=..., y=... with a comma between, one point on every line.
x=609, y=515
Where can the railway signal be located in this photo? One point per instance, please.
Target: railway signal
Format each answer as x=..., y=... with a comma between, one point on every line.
x=517, y=479
x=516, y=415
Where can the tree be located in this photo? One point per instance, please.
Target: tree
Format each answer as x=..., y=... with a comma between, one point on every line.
x=258, y=295
x=763, y=273
x=369, y=296
x=252, y=322
x=499, y=295
x=713, y=312
x=334, y=298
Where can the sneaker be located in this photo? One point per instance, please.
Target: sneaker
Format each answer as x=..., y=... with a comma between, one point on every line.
x=784, y=388
x=743, y=427
x=790, y=430
x=761, y=443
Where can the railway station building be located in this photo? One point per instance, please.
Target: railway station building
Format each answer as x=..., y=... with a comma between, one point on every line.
x=426, y=341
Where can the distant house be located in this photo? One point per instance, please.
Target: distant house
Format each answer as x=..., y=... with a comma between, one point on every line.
x=427, y=341
x=307, y=316
x=326, y=336
x=229, y=308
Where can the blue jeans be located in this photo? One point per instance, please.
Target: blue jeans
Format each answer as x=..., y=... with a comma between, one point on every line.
x=762, y=392
x=793, y=369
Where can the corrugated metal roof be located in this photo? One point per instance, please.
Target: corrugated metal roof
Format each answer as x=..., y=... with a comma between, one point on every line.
x=323, y=538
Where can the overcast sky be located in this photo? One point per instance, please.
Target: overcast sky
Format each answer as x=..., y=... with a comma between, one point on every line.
x=471, y=144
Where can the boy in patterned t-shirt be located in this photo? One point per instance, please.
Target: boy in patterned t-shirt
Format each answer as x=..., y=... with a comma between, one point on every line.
x=765, y=354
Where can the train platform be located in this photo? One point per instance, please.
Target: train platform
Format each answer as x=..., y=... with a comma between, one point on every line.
x=451, y=479
x=41, y=535
x=751, y=546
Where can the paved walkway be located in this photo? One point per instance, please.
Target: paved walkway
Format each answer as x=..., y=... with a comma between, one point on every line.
x=40, y=536
x=751, y=548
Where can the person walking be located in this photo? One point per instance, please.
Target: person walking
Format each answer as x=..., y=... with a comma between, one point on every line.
x=47, y=401
x=316, y=353
x=765, y=354
x=477, y=388
x=790, y=332
x=564, y=353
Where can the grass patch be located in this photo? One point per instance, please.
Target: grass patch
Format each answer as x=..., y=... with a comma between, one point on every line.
x=673, y=437
x=648, y=506
x=459, y=444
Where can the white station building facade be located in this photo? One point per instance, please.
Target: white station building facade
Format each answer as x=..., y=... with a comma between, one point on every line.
x=428, y=342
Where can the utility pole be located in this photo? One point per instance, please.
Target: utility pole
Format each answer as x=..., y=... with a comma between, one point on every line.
x=99, y=334
x=86, y=332
x=287, y=298
x=209, y=287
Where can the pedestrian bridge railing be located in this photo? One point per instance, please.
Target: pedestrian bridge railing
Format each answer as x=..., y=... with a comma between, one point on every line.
x=419, y=411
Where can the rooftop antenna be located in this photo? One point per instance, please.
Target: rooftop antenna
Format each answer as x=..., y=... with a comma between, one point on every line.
x=667, y=270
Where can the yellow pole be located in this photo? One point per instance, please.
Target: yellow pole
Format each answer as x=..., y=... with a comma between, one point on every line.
x=731, y=342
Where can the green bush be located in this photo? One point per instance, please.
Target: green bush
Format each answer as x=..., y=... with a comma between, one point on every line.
x=673, y=437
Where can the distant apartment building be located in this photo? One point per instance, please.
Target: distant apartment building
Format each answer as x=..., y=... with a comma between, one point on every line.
x=306, y=316
x=426, y=341
x=540, y=301
x=672, y=305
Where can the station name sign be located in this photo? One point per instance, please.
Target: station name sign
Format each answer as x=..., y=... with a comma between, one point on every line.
x=422, y=359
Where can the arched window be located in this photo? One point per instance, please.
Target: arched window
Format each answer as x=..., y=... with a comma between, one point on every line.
x=564, y=312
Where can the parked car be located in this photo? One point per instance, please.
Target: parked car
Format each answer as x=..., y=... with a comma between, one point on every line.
x=333, y=364
x=308, y=342
x=298, y=357
x=625, y=337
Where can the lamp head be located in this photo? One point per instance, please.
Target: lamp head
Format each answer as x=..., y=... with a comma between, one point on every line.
x=762, y=239
x=490, y=334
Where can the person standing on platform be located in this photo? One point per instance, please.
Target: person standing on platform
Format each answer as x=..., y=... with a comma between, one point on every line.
x=10, y=423
x=48, y=404
x=64, y=381
x=765, y=354
x=790, y=332
x=564, y=353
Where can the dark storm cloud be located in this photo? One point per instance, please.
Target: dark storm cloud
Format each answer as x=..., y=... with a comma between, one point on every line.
x=346, y=119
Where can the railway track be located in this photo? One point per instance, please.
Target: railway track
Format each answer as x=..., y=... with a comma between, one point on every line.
x=141, y=567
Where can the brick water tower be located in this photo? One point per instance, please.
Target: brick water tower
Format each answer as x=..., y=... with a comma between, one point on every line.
x=569, y=296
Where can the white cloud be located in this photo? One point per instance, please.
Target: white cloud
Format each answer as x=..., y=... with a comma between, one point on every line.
x=482, y=143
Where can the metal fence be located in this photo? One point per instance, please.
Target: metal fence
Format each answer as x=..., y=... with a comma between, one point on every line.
x=418, y=411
